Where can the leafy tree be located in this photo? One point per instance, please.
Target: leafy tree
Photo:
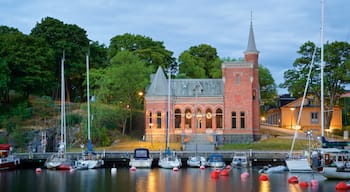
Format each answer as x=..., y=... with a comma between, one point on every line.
x=200, y=61
x=73, y=40
x=29, y=61
x=153, y=53
x=120, y=83
x=4, y=81
x=268, y=92
x=336, y=73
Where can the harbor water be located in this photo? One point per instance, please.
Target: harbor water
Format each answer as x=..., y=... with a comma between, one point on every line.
x=155, y=180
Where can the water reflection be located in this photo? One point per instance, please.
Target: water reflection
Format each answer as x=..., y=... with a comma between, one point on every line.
x=154, y=180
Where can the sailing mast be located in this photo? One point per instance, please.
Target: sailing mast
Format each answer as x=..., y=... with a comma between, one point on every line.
x=322, y=66
x=89, y=145
x=168, y=116
x=63, y=108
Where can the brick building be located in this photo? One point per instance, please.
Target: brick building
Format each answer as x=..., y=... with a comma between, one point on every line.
x=222, y=110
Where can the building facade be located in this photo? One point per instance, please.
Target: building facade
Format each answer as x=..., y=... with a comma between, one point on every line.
x=222, y=110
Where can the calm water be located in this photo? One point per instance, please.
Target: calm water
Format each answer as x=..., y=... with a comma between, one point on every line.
x=157, y=180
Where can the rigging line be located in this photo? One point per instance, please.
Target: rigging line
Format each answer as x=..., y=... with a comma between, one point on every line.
x=303, y=100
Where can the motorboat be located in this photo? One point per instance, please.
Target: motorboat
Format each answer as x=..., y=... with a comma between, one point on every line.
x=141, y=158
x=7, y=161
x=216, y=161
x=239, y=160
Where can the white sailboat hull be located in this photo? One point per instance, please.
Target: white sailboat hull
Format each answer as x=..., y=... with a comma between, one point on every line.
x=169, y=162
x=89, y=164
x=298, y=165
x=197, y=161
x=334, y=173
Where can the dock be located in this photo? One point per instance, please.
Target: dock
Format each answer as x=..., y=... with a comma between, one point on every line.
x=121, y=158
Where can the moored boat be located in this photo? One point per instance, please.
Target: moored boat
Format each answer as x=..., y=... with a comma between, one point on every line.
x=239, y=160
x=197, y=161
x=7, y=161
x=216, y=161
x=170, y=160
x=141, y=158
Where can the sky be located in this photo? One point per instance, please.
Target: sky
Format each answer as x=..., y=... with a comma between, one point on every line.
x=280, y=26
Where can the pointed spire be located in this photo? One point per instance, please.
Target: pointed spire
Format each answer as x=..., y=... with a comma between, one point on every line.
x=251, y=48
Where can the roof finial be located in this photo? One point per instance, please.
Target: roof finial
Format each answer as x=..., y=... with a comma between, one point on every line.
x=251, y=16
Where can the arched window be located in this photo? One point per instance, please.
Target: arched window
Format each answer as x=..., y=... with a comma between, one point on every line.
x=188, y=118
x=199, y=119
x=159, y=120
x=177, y=118
x=219, y=118
x=208, y=119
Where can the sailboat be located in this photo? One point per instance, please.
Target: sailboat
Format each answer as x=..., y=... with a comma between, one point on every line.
x=89, y=159
x=300, y=163
x=170, y=159
x=59, y=160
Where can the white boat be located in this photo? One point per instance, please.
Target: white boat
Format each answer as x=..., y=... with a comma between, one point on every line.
x=335, y=172
x=197, y=161
x=169, y=161
x=216, y=161
x=273, y=169
x=89, y=159
x=7, y=161
x=59, y=160
x=141, y=159
x=239, y=160
x=298, y=164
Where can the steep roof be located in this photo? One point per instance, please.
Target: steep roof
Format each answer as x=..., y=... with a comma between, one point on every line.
x=159, y=84
x=184, y=87
x=251, y=47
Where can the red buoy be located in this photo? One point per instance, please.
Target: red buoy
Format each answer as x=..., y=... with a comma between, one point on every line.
x=225, y=172
x=215, y=174
x=293, y=180
x=263, y=177
x=304, y=184
x=341, y=186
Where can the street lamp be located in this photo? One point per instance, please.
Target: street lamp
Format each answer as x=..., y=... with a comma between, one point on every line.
x=292, y=116
x=150, y=126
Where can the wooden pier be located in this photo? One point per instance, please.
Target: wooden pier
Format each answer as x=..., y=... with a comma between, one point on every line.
x=121, y=158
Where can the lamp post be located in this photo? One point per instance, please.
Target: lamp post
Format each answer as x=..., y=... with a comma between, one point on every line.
x=292, y=116
x=150, y=127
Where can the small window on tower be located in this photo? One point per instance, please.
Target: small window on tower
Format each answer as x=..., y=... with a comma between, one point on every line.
x=238, y=79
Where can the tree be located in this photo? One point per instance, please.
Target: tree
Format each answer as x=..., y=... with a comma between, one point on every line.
x=4, y=81
x=120, y=83
x=73, y=40
x=29, y=61
x=200, y=61
x=153, y=53
x=268, y=91
x=336, y=73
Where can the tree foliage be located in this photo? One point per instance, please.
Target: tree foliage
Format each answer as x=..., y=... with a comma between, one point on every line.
x=268, y=91
x=336, y=73
x=29, y=61
x=120, y=83
x=200, y=61
x=74, y=42
x=153, y=53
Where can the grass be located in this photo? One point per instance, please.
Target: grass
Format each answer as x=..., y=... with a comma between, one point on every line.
x=268, y=144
